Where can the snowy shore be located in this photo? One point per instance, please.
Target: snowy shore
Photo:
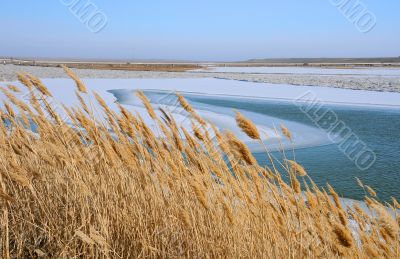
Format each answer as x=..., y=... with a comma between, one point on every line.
x=161, y=90
x=358, y=80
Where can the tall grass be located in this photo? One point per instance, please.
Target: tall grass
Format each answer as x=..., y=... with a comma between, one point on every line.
x=114, y=189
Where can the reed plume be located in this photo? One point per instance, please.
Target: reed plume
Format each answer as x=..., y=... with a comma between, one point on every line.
x=370, y=191
x=343, y=235
x=79, y=84
x=297, y=168
x=185, y=105
x=14, y=88
x=185, y=218
x=39, y=85
x=147, y=104
x=286, y=132
x=247, y=126
x=24, y=79
x=241, y=149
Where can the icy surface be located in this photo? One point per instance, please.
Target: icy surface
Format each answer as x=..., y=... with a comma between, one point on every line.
x=161, y=90
x=307, y=71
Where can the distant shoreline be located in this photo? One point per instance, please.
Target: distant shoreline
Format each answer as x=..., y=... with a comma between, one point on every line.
x=180, y=66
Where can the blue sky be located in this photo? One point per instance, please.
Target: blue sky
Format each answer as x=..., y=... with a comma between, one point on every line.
x=197, y=30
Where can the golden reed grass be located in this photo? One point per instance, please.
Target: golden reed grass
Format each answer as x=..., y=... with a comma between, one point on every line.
x=247, y=126
x=79, y=84
x=116, y=190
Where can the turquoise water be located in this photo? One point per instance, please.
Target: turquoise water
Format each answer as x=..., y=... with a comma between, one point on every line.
x=379, y=128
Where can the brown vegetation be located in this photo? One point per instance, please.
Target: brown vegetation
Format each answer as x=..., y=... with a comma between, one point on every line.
x=137, y=67
x=90, y=189
x=172, y=67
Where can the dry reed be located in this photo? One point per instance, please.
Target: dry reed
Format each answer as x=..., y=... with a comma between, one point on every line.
x=79, y=84
x=119, y=190
x=247, y=126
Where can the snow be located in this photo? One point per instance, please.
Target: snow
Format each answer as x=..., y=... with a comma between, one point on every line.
x=159, y=90
x=307, y=71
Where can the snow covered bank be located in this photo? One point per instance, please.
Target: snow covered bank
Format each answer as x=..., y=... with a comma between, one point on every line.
x=306, y=71
x=390, y=83
x=159, y=90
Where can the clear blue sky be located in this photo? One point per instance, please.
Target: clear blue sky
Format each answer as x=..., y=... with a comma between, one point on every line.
x=197, y=30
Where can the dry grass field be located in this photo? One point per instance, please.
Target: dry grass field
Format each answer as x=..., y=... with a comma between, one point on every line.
x=137, y=67
x=171, y=67
x=90, y=189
